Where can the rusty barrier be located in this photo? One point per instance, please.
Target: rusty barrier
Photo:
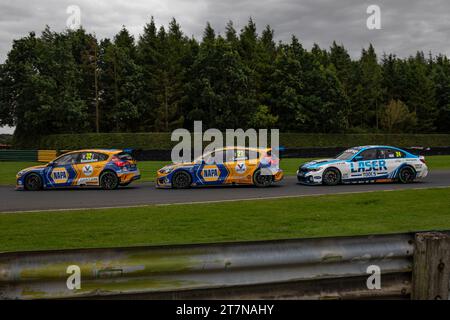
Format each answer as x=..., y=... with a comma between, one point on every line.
x=317, y=268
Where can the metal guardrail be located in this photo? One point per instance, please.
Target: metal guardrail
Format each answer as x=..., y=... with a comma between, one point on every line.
x=18, y=155
x=46, y=155
x=304, y=268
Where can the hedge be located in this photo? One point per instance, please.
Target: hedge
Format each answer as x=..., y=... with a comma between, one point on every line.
x=161, y=141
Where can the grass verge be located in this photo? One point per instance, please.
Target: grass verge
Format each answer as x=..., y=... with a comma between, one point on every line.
x=148, y=169
x=331, y=215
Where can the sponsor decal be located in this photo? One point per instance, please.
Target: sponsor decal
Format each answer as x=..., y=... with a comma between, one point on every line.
x=367, y=166
x=88, y=170
x=210, y=173
x=92, y=180
x=60, y=175
x=240, y=168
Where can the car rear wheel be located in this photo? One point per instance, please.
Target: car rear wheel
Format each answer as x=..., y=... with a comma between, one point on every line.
x=33, y=182
x=261, y=180
x=331, y=177
x=109, y=180
x=406, y=175
x=181, y=180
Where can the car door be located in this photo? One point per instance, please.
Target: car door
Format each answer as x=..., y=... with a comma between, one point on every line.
x=212, y=170
x=62, y=172
x=364, y=165
x=393, y=159
x=239, y=165
x=89, y=166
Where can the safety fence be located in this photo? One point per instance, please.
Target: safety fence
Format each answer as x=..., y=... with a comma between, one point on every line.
x=28, y=155
x=165, y=155
x=409, y=265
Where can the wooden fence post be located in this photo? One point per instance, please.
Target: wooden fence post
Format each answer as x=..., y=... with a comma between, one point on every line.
x=431, y=269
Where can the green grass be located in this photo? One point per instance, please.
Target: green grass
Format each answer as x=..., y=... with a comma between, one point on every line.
x=331, y=215
x=148, y=169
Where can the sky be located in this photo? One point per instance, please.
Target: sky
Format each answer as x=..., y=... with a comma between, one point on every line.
x=405, y=25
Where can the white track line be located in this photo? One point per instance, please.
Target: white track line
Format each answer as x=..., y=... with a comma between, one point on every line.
x=217, y=201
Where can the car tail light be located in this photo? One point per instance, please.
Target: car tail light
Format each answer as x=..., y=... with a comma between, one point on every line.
x=119, y=162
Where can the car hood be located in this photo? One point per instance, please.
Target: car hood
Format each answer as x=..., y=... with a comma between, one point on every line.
x=320, y=162
x=34, y=168
x=177, y=165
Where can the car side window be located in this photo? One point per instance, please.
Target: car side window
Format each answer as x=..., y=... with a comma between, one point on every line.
x=87, y=157
x=240, y=155
x=252, y=155
x=67, y=159
x=386, y=153
x=214, y=157
x=369, y=154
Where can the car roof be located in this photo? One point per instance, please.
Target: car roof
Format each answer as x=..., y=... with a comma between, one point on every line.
x=245, y=148
x=372, y=146
x=107, y=151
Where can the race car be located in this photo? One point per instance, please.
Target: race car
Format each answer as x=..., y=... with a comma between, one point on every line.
x=225, y=166
x=98, y=167
x=365, y=164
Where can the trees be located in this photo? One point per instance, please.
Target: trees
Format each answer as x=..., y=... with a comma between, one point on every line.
x=396, y=117
x=73, y=82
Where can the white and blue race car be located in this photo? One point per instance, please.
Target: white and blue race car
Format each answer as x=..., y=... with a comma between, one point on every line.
x=365, y=164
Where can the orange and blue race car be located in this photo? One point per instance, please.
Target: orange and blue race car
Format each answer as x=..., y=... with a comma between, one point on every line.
x=226, y=166
x=97, y=167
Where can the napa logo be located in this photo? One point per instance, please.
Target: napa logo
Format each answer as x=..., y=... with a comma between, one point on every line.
x=210, y=173
x=365, y=166
x=60, y=175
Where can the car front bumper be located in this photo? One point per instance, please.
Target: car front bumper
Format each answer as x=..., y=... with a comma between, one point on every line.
x=309, y=178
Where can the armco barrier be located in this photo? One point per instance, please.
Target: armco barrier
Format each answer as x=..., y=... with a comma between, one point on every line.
x=18, y=155
x=46, y=155
x=300, y=268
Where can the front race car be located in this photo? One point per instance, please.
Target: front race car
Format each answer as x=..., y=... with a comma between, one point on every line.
x=365, y=164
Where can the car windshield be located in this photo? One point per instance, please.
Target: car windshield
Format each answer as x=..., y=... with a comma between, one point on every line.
x=347, y=154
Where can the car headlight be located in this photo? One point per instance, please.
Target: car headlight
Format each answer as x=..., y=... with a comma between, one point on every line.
x=166, y=170
x=315, y=169
x=20, y=173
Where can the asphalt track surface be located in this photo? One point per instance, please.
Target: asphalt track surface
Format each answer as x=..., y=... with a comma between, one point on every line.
x=145, y=194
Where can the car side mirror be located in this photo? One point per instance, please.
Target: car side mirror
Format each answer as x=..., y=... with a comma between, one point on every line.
x=358, y=158
x=51, y=164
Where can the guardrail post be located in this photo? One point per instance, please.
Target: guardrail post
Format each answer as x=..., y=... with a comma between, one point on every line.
x=431, y=269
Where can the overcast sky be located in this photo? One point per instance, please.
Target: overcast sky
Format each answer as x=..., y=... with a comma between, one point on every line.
x=406, y=25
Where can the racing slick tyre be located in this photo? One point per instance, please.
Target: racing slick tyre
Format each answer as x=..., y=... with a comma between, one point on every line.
x=33, y=182
x=406, y=175
x=109, y=180
x=260, y=180
x=331, y=177
x=181, y=180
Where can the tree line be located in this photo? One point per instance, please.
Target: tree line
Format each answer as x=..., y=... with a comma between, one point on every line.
x=72, y=82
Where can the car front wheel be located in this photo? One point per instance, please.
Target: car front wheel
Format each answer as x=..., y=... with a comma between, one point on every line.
x=33, y=182
x=331, y=177
x=181, y=180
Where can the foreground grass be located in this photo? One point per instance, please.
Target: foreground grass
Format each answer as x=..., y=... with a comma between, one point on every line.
x=351, y=214
x=148, y=169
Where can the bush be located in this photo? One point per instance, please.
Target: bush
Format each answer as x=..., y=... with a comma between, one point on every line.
x=161, y=141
